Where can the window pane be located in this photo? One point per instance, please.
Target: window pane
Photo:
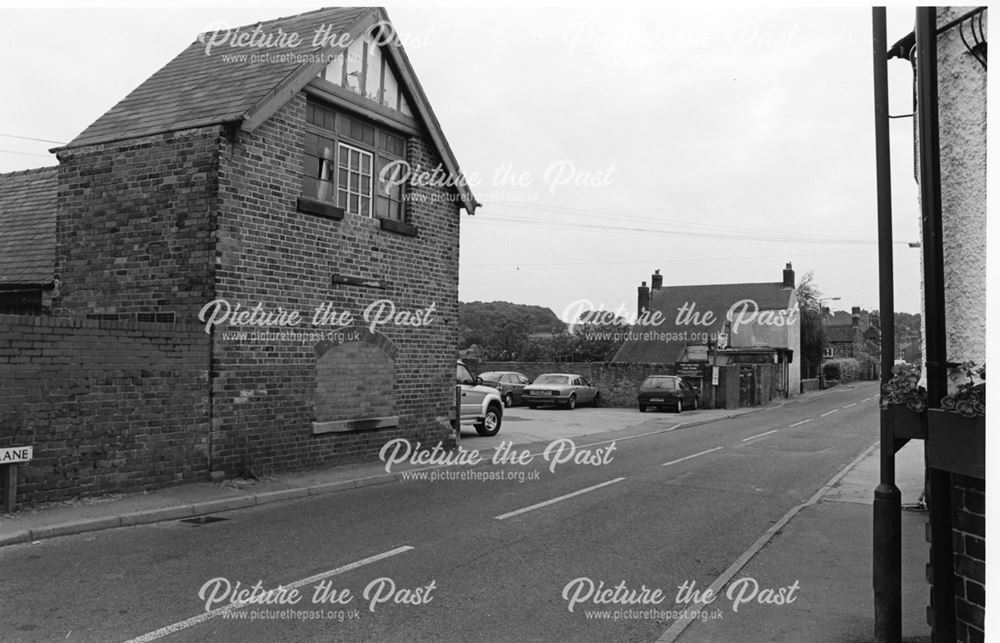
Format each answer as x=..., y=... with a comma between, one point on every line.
x=353, y=185
x=355, y=160
x=310, y=166
x=311, y=143
x=342, y=199
x=310, y=187
x=364, y=206
x=366, y=164
x=396, y=210
x=382, y=207
x=404, y=106
x=342, y=178
x=325, y=148
x=366, y=187
x=353, y=203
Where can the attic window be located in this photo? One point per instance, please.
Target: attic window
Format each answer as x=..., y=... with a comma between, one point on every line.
x=345, y=158
x=364, y=70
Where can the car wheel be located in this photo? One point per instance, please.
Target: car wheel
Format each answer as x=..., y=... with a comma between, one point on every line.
x=508, y=400
x=642, y=408
x=680, y=405
x=597, y=399
x=491, y=422
x=571, y=404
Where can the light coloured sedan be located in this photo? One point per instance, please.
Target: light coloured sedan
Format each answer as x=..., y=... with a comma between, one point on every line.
x=560, y=389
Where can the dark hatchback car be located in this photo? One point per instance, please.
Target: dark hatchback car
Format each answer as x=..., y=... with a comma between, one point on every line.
x=667, y=391
x=510, y=384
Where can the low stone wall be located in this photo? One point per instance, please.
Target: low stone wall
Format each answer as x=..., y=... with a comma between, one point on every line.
x=810, y=385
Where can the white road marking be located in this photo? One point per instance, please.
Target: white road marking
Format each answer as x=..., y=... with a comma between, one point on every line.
x=717, y=586
x=759, y=435
x=555, y=500
x=801, y=423
x=850, y=405
x=201, y=618
x=829, y=413
x=688, y=457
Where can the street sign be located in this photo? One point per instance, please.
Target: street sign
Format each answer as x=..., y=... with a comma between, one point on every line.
x=715, y=376
x=15, y=454
x=690, y=369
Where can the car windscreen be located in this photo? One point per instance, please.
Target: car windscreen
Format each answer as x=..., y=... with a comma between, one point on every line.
x=552, y=379
x=665, y=383
x=490, y=375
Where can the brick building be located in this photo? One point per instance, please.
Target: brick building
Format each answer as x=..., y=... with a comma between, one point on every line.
x=726, y=324
x=854, y=335
x=276, y=184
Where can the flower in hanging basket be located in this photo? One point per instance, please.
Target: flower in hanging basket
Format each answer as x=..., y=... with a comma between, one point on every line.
x=969, y=398
x=904, y=388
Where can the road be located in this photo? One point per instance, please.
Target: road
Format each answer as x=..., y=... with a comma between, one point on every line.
x=457, y=560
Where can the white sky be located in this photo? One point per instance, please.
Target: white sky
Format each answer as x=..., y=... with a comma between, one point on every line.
x=695, y=121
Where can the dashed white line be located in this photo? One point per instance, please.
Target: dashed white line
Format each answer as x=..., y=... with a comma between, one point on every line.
x=829, y=413
x=759, y=435
x=201, y=618
x=555, y=500
x=801, y=423
x=850, y=405
x=688, y=457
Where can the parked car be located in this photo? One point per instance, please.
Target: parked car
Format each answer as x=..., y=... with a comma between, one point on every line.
x=560, y=389
x=510, y=384
x=667, y=391
x=480, y=405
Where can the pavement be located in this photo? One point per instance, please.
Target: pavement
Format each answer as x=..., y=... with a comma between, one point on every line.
x=819, y=540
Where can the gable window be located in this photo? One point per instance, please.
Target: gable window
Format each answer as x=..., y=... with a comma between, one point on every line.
x=351, y=164
x=363, y=70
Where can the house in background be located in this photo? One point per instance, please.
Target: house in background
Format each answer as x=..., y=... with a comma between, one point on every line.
x=228, y=178
x=854, y=335
x=721, y=324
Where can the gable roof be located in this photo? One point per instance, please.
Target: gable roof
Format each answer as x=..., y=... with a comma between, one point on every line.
x=199, y=89
x=28, y=226
x=717, y=298
x=841, y=334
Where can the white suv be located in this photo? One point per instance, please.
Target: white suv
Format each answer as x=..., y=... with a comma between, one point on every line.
x=480, y=405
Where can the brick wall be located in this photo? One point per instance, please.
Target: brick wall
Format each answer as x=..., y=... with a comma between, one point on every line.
x=135, y=225
x=107, y=406
x=969, y=539
x=265, y=394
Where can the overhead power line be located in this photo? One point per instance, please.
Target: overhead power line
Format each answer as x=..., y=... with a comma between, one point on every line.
x=30, y=138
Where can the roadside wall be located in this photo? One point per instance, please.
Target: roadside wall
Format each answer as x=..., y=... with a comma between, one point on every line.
x=108, y=406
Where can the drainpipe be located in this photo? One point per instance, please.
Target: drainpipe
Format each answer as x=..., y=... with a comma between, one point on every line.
x=939, y=482
x=887, y=522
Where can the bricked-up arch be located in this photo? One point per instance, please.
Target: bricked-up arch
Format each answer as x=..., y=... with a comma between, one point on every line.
x=355, y=377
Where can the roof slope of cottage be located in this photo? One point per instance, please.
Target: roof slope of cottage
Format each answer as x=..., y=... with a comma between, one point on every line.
x=841, y=334
x=28, y=226
x=196, y=89
x=206, y=86
x=715, y=298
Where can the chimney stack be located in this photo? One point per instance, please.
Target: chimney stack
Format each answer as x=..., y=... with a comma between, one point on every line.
x=657, y=280
x=788, y=276
x=643, y=305
x=855, y=316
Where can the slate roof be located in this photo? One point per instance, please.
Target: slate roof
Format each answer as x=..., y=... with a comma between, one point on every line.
x=28, y=226
x=840, y=334
x=195, y=89
x=716, y=298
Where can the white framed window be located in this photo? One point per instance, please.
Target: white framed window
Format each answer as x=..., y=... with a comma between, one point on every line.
x=354, y=179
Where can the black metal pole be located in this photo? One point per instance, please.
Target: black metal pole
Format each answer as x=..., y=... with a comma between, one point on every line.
x=887, y=532
x=939, y=482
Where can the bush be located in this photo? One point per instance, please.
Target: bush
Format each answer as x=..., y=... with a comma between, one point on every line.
x=845, y=369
